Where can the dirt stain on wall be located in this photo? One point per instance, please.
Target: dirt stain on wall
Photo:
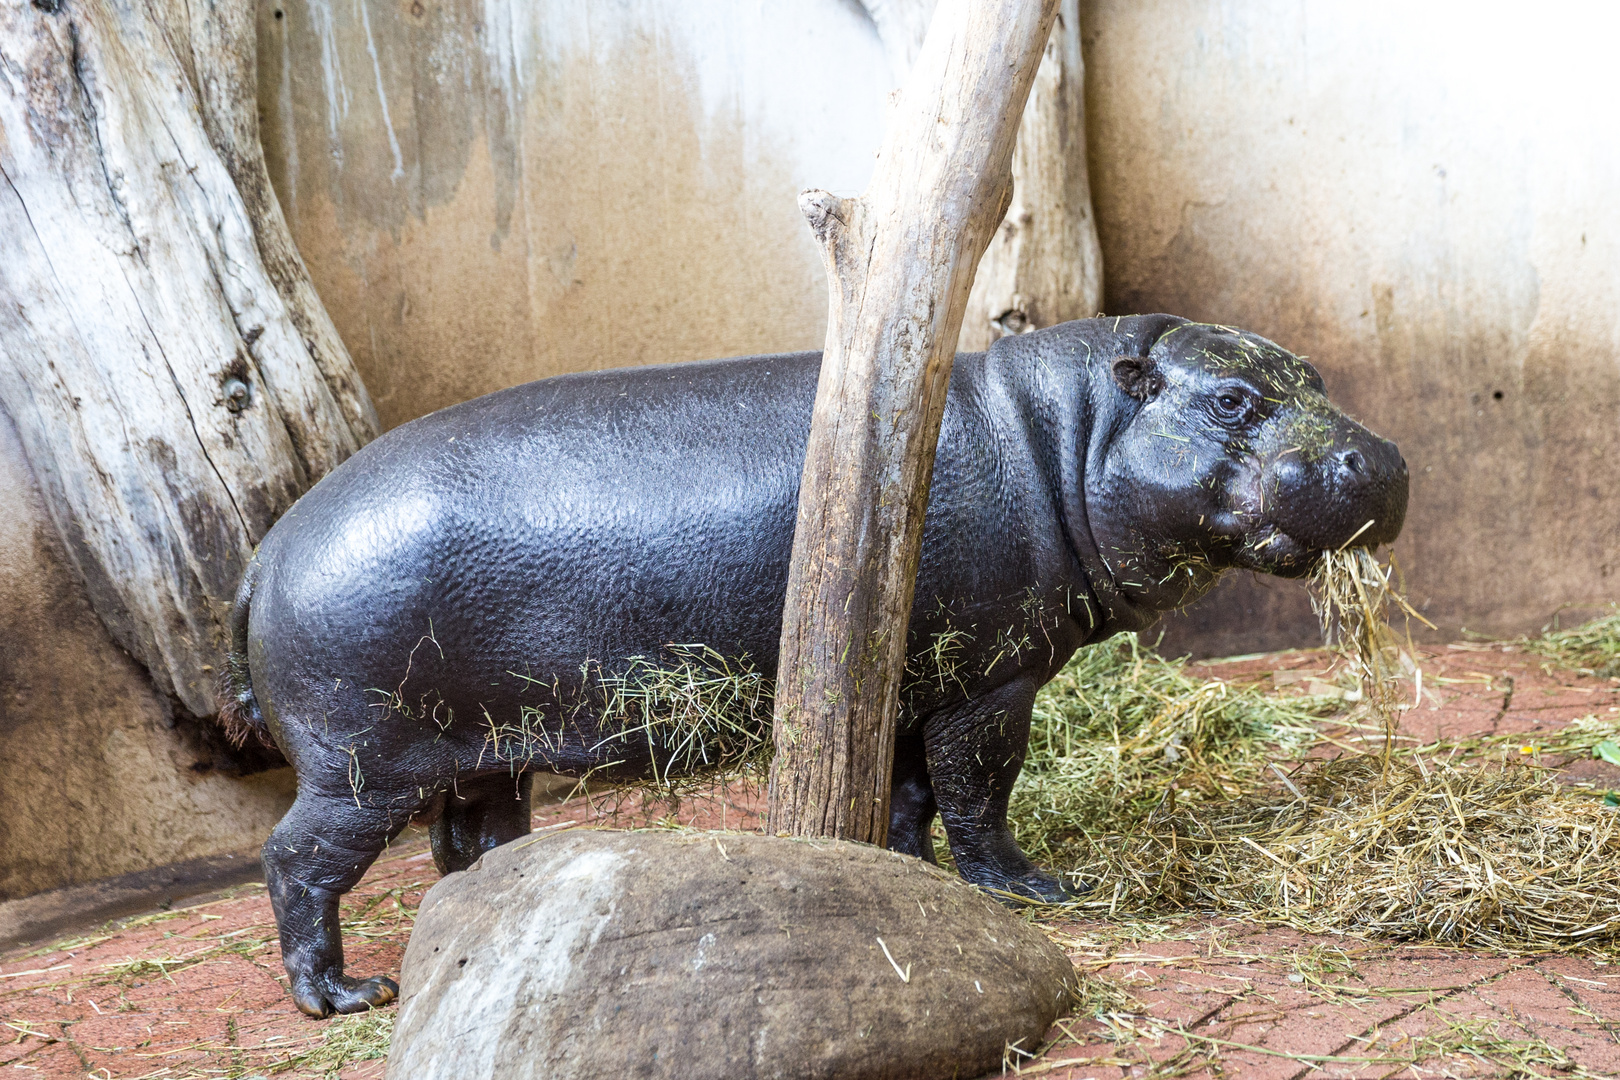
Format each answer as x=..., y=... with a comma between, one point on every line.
x=1292, y=169
x=480, y=208
x=98, y=778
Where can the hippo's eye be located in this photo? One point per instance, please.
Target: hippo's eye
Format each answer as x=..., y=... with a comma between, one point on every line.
x=1233, y=406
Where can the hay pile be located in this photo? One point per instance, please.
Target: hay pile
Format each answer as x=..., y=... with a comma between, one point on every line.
x=1489, y=858
x=1165, y=795
x=1593, y=649
x=1121, y=732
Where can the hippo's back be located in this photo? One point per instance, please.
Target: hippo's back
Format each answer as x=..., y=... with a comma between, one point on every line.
x=580, y=517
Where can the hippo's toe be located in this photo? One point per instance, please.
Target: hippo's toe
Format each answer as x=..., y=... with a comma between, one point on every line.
x=1036, y=885
x=1046, y=888
x=320, y=994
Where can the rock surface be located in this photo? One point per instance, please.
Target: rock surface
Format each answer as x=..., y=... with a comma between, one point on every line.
x=595, y=953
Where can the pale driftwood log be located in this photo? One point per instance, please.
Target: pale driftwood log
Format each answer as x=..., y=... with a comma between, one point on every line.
x=900, y=262
x=1045, y=264
x=175, y=380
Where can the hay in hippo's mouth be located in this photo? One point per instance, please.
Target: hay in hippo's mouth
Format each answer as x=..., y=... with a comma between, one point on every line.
x=1353, y=595
x=1393, y=844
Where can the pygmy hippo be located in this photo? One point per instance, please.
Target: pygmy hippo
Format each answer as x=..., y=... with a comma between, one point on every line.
x=501, y=585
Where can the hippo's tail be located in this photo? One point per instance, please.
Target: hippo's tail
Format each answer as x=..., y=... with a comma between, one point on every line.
x=239, y=711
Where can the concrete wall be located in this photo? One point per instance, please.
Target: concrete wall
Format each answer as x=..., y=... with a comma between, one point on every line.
x=488, y=193
x=1420, y=197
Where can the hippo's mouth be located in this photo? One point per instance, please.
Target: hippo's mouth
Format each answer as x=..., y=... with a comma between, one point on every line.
x=1270, y=550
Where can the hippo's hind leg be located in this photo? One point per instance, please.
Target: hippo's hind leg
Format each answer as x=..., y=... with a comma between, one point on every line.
x=480, y=814
x=975, y=751
x=315, y=855
x=911, y=801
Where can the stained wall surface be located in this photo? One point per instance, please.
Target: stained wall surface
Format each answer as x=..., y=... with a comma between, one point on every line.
x=1420, y=197
x=96, y=778
x=488, y=193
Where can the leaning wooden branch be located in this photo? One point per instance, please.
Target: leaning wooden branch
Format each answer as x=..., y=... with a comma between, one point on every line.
x=900, y=262
x=174, y=379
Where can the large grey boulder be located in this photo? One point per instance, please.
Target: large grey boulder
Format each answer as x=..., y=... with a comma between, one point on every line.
x=595, y=953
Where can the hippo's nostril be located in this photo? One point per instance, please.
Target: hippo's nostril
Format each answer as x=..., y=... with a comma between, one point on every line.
x=1323, y=502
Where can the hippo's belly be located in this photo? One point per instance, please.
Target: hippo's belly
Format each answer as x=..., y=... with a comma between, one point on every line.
x=510, y=592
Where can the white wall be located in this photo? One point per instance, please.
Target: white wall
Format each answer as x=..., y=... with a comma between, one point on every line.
x=1421, y=197
x=490, y=193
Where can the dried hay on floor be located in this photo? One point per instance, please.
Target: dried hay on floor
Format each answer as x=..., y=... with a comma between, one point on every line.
x=1136, y=787
x=1120, y=728
x=1590, y=736
x=1488, y=858
x=1592, y=649
x=343, y=1042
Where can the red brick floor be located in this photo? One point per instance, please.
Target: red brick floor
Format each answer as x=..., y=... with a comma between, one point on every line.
x=198, y=991
x=1234, y=1000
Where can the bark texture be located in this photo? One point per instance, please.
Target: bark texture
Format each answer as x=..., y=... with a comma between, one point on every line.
x=900, y=262
x=173, y=376
x=1044, y=265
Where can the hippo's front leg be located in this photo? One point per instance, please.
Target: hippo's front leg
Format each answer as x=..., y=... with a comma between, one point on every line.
x=315, y=855
x=975, y=751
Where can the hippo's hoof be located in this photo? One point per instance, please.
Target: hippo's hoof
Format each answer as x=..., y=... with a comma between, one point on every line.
x=322, y=993
x=1036, y=886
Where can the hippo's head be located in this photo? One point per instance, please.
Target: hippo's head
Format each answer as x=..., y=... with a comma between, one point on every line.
x=1224, y=451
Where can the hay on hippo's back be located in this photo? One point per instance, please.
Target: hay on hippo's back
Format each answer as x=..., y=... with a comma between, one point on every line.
x=700, y=711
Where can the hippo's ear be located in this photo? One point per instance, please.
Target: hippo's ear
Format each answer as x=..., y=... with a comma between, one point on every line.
x=1138, y=376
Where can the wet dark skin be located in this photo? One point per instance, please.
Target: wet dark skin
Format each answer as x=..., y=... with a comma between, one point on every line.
x=422, y=629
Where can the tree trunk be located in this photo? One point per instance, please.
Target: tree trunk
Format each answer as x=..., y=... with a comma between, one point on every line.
x=173, y=375
x=900, y=262
x=1044, y=265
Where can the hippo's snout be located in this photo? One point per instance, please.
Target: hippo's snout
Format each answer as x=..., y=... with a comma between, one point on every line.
x=1353, y=490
